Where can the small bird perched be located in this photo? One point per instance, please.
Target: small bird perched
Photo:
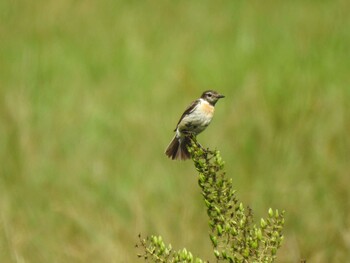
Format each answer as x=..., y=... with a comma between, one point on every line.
x=193, y=121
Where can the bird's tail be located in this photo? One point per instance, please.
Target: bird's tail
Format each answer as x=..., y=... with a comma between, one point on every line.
x=177, y=149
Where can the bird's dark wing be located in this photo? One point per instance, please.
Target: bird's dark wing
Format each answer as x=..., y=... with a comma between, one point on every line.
x=189, y=110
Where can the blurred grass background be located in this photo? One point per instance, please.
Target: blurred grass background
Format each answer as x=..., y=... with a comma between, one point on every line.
x=90, y=92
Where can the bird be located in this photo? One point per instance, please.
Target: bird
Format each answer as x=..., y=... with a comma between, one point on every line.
x=193, y=121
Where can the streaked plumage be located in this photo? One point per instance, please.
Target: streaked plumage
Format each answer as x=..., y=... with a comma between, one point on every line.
x=194, y=120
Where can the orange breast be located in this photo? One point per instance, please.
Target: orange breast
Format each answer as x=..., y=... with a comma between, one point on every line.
x=207, y=108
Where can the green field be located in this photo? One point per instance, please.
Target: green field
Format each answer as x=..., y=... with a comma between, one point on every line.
x=90, y=92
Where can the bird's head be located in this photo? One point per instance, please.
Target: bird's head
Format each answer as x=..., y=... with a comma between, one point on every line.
x=211, y=96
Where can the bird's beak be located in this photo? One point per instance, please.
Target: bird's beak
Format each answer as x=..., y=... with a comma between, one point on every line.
x=220, y=96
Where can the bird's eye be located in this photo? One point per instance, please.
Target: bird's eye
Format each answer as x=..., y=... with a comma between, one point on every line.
x=209, y=95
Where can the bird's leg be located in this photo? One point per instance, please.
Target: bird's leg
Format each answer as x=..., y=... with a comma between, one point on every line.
x=192, y=136
x=200, y=146
x=189, y=135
